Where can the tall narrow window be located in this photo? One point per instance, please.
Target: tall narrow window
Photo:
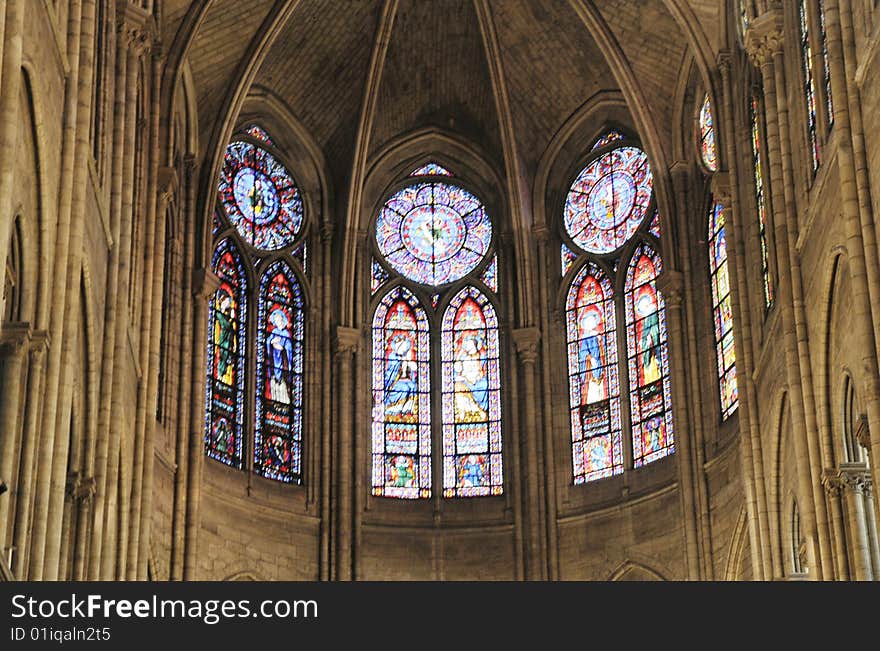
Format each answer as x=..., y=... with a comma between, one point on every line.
x=430, y=235
x=708, y=150
x=594, y=388
x=401, y=397
x=610, y=210
x=650, y=392
x=225, y=383
x=722, y=311
x=278, y=439
x=258, y=226
x=809, y=89
x=471, y=397
x=760, y=201
x=829, y=101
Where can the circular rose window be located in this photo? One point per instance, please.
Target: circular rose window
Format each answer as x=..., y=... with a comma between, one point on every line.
x=260, y=197
x=433, y=233
x=608, y=200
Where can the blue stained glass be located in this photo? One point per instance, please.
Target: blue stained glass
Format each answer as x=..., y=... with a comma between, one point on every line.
x=471, y=402
x=224, y=388
x=608, y=200
x=567, y=257
x=259, y=197
x=401, y=414
x=490, y=275
x=431, y=169
x=433, y=233
x=654, y=228
x=722, y=312
x=278, y=438
x=378, y=276
x=650, y=392
x=594, y=389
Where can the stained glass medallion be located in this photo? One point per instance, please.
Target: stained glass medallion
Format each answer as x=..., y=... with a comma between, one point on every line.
x=608, y=200
x=259, y=197
x=433, y=233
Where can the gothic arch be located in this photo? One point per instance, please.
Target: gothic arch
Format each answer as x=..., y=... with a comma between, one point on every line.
x=634, y=571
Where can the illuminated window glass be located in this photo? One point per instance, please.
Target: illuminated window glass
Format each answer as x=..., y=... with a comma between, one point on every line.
x=708, y=150
x=722, y=311
x=760, y=201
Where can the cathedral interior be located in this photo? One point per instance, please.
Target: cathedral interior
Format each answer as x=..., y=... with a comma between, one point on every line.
x=439, y=290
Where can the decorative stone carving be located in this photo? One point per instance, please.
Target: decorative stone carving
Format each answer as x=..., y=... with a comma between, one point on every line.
x=346, y=341
x=526, y=340
x=671, y=285
x=764, y=38
x=204, y=283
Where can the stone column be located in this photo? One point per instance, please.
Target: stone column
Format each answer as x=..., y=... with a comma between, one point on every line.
x=325, y=359
x=671, y=286
x=750, y=434
x=526, y=343
x=204, y=284
x=852, y=480
x=346, y=343
x=765, y=42
x=838, y=526
x=14, y=341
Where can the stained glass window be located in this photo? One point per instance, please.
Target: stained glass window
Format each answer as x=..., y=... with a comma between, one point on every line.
x=708, y=150
x=401, y=428
x=594, y=389
x=471, y=397
x=433, y=233
x=608, y=200
x=650, y=391
x=490, y=275
x=224, y=387
x=255, y=131
x=809, y=90
x=301, y=253
x=567, y=258
x=654, y=227
x=431, y=169
x=279, y=421
x=722, y=311
x=378, y=276
x=829, y=102
x=760, y=201
x=608, y=138
x=260, y=197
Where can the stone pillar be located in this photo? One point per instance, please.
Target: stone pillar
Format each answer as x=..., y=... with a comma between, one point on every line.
x=526, y=342
x=14, y=341
x=852, y=481
x=765, y=41
x=750, y=434
x=671, y=286
x=346, y=343
x=838, y=525
x=325, y=358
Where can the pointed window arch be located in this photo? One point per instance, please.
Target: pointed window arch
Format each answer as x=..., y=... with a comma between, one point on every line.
x=594, y=386
x=809, y=82
x=760, y=200
x=471, y=397
x=401, y=397
x=708, y=148
x=722, y=311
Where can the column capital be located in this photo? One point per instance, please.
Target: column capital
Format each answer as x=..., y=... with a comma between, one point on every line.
x=671, y=285
x=721, y=190
x=326, y=231
x=863, y=434
x=132, y=27
x=724, y=61
x=14, y=337
x=541, y=233
x=679, y=170
x=204, y=283
x=39, y=344
x=765, y=36
x=166, y=183
x=526, y=340
x=832, y=483
x=80, y=488
x=848, y=478
x=346, y=341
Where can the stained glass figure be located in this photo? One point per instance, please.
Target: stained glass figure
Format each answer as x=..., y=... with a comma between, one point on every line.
x=708, y=150
x=378, y=276
x=279, y=410
x=650, y=391
x=608, y=200
x=224, y=387
x=722, y=311
x=760, y=201
x=608, y=138
x=654, y=227
x=490, y=275
x=809, y=89
x=433, y=233
x=471, y=397
x=829, y=101
x=567, y=258
x=594, y=389
x=431, y=169
x=260, y=198
x=401, y=420
x=259, y=133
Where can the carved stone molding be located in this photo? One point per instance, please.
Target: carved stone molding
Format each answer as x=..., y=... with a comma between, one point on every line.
x=847, y=478
x=14, y=337
x=39, y=344
x=671, y=285
x=346, y=341
x=765, y=36
x=132, y=27
x=167, y=182
x=541, y=233
x=80, y=488
x=526, y=340
x=721, y=190
x=204, y=283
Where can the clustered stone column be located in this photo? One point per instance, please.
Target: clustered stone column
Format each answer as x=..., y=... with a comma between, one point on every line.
x=852, y=482
x=346, y=344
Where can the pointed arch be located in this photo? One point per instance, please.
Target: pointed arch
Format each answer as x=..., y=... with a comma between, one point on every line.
x=280, y=352
x=227, y=319
x=708, y=149
x=401, y=421
x=649, y=382
x=471, y=397
x=594, y=386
